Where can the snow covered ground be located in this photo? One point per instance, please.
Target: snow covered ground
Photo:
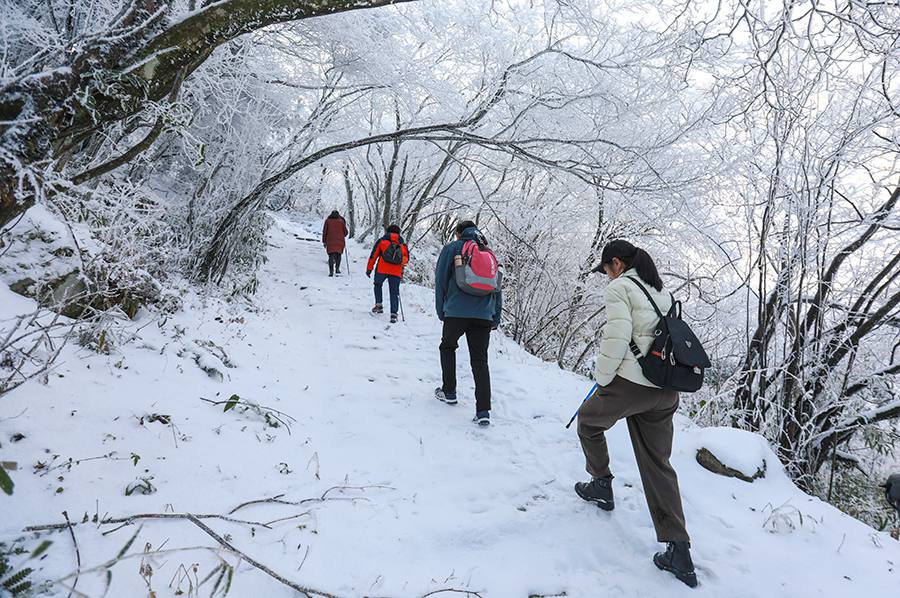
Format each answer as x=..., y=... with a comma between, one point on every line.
x=425, y=500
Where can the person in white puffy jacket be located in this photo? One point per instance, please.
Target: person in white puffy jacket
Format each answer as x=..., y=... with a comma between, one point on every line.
x=625, y=393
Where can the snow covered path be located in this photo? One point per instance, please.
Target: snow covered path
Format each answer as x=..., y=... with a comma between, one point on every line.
x=436, y=502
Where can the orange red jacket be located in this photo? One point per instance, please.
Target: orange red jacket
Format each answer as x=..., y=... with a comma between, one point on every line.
x=384, y=267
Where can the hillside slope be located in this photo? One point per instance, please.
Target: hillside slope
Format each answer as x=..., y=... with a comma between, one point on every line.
x=422, y=499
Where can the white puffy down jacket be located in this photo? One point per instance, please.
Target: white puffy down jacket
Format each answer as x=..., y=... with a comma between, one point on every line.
x=628, y=315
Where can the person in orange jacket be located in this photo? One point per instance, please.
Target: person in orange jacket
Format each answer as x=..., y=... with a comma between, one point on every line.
x=391, y=254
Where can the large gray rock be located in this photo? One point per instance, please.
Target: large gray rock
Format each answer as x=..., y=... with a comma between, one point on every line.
x=66, y=294
x=24, y=287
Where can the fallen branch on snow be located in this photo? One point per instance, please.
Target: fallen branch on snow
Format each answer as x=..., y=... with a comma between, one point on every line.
x=277, y=499
x=196, y=520
x=132, y=518
x=225, y=544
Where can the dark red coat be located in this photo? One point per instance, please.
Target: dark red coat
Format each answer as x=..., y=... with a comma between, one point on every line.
x=333, y=234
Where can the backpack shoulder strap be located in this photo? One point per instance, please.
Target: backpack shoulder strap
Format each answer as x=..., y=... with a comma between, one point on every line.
x=675, y=310
x=635, y=350
x=633, y=345
x=649, y=298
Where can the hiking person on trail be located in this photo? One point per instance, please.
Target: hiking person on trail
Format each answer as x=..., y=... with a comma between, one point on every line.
x=468, y=300
x=623, y=392
x=392, y=255
x=333, y=234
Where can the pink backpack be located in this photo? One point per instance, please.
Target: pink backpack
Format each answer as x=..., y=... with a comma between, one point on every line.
x=476, y=270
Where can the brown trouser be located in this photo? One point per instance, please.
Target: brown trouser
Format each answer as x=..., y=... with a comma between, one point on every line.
x=649, y=414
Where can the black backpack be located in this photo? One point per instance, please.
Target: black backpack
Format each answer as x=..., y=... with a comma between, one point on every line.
x=676, y=359
x=393, y=253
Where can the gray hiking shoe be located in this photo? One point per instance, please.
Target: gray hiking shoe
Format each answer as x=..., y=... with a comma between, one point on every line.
x=482, y=418
x=445, y=397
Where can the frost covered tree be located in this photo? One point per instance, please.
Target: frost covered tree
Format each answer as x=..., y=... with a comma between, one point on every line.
x=73, y=68
x=820, y=196
x=750, y=149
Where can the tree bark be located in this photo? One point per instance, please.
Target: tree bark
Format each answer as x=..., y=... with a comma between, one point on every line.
x=351, y=209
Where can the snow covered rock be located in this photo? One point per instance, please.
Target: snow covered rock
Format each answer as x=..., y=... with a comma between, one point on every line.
x=24, y=287
x=42, y=262
x=64, y=294
x=733, y=453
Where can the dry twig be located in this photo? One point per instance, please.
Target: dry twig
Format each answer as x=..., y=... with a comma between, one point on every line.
x=77, y=553
x=132, y=518
x=277, y=499
x=453, y=591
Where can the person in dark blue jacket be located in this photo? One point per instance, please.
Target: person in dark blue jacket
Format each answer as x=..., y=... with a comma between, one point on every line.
x=467, y=314
x=892, y=491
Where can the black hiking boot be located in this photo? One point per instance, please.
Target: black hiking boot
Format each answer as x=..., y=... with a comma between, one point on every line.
x=677, y=561
x=482, y=418
x=378, y=309
x=445, y=397
x=598, y=491
x=393, y=318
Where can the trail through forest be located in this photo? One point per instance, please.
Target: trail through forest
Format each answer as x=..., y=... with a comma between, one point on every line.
x=415, y=498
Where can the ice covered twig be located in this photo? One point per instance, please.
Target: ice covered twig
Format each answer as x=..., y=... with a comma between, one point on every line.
x=278, y=498
x=130, y=519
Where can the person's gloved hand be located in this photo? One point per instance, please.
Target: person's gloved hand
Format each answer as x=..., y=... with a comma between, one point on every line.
x=369, y=273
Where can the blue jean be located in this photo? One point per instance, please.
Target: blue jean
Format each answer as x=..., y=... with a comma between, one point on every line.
x=393, y=287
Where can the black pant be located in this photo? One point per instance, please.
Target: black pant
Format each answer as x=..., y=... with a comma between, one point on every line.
x=478, y=336
x=334, y=262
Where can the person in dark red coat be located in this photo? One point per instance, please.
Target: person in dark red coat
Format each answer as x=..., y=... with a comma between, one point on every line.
x=333, y=234
x=391, y=254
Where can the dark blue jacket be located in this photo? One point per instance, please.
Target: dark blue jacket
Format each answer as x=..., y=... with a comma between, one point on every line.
x=449, y=300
